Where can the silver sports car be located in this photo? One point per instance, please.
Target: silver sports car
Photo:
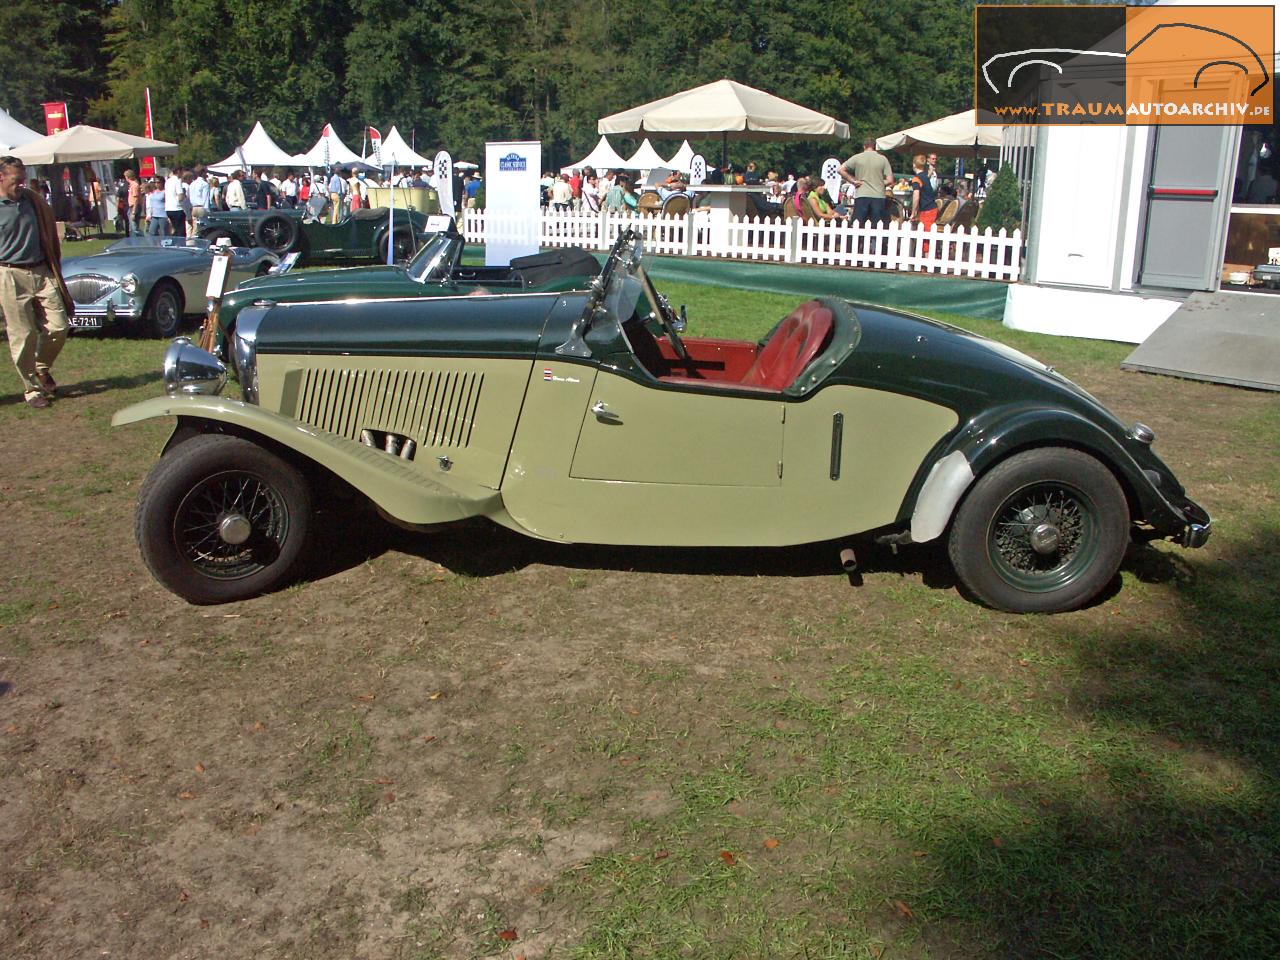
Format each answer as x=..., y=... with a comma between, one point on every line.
x=150, y=283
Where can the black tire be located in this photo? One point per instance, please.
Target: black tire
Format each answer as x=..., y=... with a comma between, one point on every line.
x=276, y=233
x=404, y=246
x=1041, y=532
x=162, y=316
x=205, y=483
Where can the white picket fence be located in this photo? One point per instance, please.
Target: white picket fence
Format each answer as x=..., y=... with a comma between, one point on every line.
x=895, y=246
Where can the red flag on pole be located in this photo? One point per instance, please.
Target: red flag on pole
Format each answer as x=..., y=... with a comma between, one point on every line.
x=55, y=117
x=147, y=165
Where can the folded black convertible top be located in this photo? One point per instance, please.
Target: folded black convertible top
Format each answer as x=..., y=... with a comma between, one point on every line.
x=540, y=268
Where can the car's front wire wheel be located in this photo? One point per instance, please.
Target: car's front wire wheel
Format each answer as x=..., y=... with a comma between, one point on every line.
x=162, y=316
x=1041, y=532
x=221, y=519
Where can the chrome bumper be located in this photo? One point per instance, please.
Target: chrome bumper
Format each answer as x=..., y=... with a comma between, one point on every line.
x=108, y=311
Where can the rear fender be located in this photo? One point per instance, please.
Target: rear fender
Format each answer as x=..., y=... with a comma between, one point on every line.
x=396, y=486
x=990, y=438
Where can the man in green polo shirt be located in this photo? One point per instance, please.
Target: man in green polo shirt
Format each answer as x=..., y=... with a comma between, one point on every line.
x=870, y=173
x=33, y=296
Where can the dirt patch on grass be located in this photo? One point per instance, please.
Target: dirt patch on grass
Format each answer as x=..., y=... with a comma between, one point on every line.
x=434, y=746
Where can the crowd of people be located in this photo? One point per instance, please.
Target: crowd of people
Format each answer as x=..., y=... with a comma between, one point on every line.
x=866, y=193
x=174, y=204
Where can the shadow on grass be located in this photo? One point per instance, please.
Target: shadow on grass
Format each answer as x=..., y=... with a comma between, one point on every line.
x=85, y=388
x=482, y=549
x=1170, y=843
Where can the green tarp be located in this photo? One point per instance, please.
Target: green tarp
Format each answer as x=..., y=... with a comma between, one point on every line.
x=905, y=291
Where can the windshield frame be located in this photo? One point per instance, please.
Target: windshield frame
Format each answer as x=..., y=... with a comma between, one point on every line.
x=434, y=262
x=135, y=244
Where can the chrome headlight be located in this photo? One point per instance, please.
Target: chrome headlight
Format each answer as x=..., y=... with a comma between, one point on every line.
x=190, y=370
x=129, y=284
x=245, y=349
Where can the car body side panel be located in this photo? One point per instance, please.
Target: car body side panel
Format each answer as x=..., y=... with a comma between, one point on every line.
x=462, y=409
x=704, y=494
x=878, y=445
x=648, y=435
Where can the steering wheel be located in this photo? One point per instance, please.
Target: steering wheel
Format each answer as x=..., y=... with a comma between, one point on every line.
x=666, y=320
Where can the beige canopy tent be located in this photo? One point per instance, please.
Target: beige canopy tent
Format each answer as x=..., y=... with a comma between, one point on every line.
x=83, y=143
x=953, y=136
x=731, y=109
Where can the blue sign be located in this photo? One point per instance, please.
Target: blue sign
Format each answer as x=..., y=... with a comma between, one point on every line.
x=512, y=161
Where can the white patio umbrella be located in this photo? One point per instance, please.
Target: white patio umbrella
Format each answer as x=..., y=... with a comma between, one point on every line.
x=13, y=133
x=731, y=109
x=83, y=143
x=953, y=136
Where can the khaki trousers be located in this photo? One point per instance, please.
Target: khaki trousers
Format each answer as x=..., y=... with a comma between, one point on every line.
x=35, y=319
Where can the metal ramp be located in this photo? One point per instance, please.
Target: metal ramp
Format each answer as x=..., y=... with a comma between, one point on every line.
x=1220, y=336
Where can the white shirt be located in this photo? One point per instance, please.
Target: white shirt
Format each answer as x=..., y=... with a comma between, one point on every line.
x=173, y=189
x=289, y=187
x=235, y=195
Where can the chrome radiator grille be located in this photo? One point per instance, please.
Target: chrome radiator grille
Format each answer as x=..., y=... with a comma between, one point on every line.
x=437, y=409
x=88, y=288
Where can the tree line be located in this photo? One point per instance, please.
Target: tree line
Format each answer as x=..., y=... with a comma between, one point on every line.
x=455, y=73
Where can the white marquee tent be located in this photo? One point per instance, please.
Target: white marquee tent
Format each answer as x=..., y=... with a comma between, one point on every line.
x=329, y=150
x=602, y=158
x=645, y=158
x=258, y=150
x=396, y=150
x=13, y=133
x=683, y=160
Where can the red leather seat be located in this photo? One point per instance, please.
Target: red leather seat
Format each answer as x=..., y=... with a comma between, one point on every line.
x=798, y=339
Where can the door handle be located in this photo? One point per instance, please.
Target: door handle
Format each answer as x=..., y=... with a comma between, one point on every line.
x=604, y=414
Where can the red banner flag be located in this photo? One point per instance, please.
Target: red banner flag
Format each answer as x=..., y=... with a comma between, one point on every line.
x=147, y=165
x=55, y=117
x=374, y=134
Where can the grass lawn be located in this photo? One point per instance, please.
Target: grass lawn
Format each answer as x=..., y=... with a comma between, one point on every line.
x=471, y=745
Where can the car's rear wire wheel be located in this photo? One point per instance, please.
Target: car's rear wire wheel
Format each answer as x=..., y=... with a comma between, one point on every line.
x=276, y=233
x=221, y=519
x=1041, y=532
x=403, y=245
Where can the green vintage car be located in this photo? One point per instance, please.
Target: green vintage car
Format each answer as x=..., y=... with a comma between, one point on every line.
x=584, y=416
x=436, y=271
x=359, y=236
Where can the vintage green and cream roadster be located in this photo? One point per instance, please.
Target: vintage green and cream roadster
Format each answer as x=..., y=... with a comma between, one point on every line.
x=584, y=416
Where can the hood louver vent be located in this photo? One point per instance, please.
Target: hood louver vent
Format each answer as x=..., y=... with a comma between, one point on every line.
x=436, y=409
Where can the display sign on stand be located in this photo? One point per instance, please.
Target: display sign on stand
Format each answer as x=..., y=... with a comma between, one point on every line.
x=512, y=209
x=442, y=180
